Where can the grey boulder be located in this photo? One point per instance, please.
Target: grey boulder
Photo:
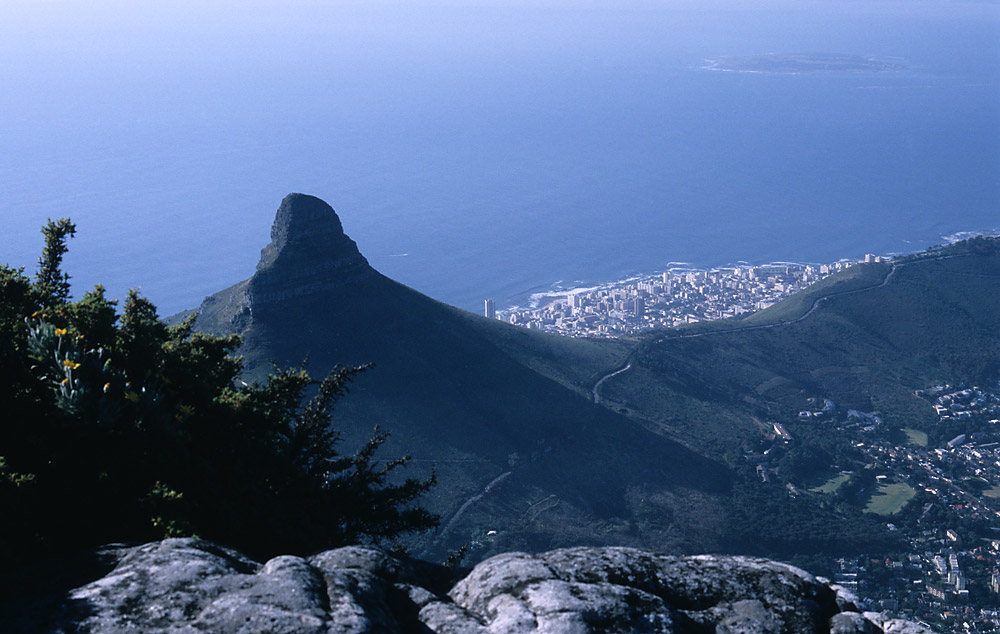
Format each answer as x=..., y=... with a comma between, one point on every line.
x=189, y=586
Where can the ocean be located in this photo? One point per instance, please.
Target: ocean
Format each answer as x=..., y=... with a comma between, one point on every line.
x=480, y=149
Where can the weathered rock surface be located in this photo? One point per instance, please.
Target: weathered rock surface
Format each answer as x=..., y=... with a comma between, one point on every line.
x=186, y=586
x=309, y=253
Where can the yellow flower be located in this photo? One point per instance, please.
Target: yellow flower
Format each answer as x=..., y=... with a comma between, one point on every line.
x=69, y=363
x=65, y=381
x=107, y=386
x=60, y=332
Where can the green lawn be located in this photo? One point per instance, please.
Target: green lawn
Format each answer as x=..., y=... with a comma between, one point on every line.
x=832, y=484
x=916, y=437
x=890, y=499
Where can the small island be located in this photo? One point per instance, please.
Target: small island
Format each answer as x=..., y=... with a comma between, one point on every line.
x=802, y=63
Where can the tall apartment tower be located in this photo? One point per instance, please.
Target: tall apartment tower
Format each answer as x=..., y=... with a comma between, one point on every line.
x=490, y=309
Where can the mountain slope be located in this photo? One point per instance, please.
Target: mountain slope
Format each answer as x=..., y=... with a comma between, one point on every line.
x=525, y=456
x=466, y=395
x=867, y=345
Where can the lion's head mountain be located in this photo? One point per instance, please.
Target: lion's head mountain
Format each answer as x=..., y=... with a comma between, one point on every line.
x=477, y=400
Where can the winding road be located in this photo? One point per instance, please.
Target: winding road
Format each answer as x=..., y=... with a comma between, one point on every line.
x=597, y=386
x=471, y=501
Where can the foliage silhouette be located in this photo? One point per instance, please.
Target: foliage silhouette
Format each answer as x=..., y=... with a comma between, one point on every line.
x=120, y=428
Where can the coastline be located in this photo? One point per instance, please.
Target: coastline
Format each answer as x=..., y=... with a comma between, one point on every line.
x=533, y=298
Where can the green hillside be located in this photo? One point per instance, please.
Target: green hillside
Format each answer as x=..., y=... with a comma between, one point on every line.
x=934, y=319
x=867, y=339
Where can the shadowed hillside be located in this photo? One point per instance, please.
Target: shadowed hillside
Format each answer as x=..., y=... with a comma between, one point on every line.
x=465, y=395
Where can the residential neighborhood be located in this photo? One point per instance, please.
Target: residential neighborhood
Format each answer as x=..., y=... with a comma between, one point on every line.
x=940, y=490
x=669, y=298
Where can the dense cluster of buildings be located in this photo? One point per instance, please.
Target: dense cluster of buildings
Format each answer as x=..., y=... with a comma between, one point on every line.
x=928, y=586
x=951, y=574
x=670, y=298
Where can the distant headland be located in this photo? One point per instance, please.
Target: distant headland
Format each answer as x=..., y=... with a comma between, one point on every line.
x=803, y=63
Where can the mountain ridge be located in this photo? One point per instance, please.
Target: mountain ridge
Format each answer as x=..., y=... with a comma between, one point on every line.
x=474, y=397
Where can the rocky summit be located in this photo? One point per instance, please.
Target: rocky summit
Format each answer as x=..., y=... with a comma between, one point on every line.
x=308, y=253
x=189, y=585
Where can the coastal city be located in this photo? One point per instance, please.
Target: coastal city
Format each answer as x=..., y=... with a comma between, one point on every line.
x=937, y=487
x=939, y=490
x=670, y=298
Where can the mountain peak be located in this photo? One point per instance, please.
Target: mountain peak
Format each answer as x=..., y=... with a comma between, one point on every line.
x=303, y=222
x=308, y=253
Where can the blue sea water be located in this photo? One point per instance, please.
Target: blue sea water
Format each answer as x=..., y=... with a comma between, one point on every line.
x=478, y=149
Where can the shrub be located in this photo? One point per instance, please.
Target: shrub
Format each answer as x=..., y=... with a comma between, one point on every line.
x=120, y=428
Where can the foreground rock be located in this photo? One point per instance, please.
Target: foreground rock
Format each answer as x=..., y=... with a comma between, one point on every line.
x=190, y=586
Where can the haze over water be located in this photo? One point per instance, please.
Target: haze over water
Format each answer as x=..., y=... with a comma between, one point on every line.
x=489, y=149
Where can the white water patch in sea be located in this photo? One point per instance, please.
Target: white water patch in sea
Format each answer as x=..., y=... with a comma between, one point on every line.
x=958, y=236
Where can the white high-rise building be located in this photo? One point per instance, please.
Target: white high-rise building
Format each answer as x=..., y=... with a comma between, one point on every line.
x=490, y=309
